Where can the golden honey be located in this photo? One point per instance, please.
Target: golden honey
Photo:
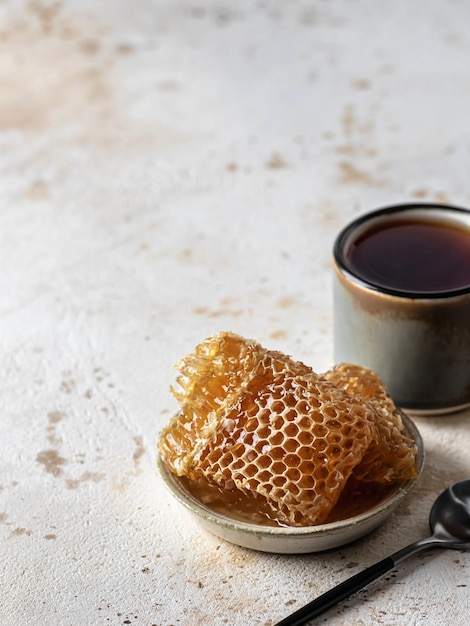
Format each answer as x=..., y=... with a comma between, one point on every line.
x=263, y=436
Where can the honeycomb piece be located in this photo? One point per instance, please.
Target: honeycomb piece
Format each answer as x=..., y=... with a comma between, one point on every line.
x=361, y=381
x=255, y=421
x=212, y=376
x=391, y=457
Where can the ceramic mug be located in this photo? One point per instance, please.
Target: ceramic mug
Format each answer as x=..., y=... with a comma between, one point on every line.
x=402, y=302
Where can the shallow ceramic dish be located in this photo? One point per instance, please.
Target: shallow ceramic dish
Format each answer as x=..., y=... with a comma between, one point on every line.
x=296, y=540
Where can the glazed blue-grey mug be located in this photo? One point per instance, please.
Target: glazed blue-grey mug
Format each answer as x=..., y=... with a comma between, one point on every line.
x=402, y=303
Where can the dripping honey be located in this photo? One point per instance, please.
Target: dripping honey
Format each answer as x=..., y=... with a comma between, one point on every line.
x=356, y=498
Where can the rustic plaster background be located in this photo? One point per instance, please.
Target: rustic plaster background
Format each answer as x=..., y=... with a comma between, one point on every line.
x=172, y=169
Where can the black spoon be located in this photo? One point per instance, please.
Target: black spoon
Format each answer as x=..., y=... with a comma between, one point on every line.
x=449, y=521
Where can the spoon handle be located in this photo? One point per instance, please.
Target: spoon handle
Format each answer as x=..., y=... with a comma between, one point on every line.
x=338, y=594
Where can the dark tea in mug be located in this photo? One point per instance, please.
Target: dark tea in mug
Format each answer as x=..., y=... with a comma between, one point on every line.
x=413, y=255
x=402, y=302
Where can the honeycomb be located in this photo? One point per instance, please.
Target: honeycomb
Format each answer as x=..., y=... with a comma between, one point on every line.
x=391, y=457
x=268, y=433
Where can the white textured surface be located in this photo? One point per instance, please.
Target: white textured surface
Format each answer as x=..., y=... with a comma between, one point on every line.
x=168, y=170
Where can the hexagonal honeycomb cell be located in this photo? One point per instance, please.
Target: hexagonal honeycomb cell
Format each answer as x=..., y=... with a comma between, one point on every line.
x=269, y=434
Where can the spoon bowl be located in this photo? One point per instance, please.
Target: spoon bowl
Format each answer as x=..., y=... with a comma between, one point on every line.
x=449, y=521
x=450, y=516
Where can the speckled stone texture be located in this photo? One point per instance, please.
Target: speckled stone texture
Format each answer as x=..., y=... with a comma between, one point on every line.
x=169, y=170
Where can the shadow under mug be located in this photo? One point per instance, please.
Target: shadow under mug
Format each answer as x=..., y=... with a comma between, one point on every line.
x=417, y=341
